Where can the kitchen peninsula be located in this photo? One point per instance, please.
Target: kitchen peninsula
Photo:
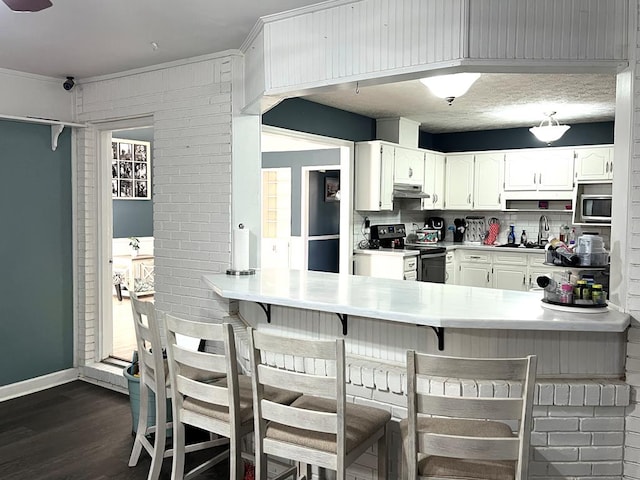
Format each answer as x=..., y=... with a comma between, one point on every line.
x=381, y=318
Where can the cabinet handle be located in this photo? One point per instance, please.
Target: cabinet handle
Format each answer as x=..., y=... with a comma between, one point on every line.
x=469, y=199
x=487, y=277
x=499, y=197
x=534, y=178
x=476, y=257
x=524, y=280
x=540, y=179
x=410, y=172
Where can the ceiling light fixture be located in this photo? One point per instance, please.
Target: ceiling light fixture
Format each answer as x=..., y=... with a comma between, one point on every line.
x=549, y=129
x=450, y=86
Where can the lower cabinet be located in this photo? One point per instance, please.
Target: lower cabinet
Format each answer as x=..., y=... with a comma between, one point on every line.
x=383, y=265
x=450, y=269
x=500, y=269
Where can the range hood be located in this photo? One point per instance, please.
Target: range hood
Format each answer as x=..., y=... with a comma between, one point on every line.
x=405, y=190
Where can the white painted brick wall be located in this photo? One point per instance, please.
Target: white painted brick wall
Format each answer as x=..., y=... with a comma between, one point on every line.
x=189, y=107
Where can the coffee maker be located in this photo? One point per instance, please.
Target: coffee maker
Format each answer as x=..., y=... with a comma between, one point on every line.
x=437, y=223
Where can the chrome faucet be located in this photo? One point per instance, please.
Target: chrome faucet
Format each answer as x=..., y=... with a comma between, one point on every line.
x=543, y=230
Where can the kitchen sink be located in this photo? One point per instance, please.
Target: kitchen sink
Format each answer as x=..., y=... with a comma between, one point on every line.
x=517, y=245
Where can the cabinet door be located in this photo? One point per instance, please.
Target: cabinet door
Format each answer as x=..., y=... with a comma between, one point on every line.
x=555, y=170
x=510, y=277
x=373, y=176
x=474, y=275
x=594, y=163
x=520, y=171
x=433, y=181
x=409, y=166
x=487, y=181
x=386, y=177
x=459, y=182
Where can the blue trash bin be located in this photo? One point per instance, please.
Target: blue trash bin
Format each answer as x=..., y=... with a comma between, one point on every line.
x=134, y=399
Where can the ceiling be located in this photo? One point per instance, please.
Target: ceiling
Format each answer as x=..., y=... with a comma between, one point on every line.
x=90, y=38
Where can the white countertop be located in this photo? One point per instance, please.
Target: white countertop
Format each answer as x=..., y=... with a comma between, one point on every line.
x=418, y=303
x=395, y=252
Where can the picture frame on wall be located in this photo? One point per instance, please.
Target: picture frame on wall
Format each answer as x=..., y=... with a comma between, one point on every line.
x=331, y=187
x=130, y=169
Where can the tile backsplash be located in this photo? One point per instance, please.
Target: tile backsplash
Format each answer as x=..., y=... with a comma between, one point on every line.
x=528, y=221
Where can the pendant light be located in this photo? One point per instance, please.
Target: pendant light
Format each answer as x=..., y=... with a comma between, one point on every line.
x=450, y=86
x=549, y=130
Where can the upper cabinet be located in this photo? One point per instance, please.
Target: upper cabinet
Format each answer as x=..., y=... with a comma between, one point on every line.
x=538, y=171
x=474, y=181
x=594, y=164
x=459, y=182
x=488, y=180
x=433, y=181
x=374, y=171
x=408, y=166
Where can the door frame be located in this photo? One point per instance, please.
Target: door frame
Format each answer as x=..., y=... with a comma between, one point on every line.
x=347, y=155
x=104, y=333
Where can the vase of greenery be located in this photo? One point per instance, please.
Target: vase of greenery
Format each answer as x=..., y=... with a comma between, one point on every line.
x=134, y=243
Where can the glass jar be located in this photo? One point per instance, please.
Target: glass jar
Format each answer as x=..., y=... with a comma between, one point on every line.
x=597, y=294
x=566, y=293
x=577, y=290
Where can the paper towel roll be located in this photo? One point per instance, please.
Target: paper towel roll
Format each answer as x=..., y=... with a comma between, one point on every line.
x=240, y=249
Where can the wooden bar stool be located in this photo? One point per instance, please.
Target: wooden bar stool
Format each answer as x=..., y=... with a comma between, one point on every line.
x=447, y=437
x=319, y=428
x=153, y=377
x=223, y=406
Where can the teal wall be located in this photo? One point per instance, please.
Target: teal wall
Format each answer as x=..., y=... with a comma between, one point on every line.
x=36, y=281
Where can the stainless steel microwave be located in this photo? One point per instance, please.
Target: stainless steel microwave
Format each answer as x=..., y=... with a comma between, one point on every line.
x=596, y=208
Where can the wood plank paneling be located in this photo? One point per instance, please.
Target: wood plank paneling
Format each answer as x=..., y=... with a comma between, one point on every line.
x=360, y=39
x=548, y=29
x=565, y=354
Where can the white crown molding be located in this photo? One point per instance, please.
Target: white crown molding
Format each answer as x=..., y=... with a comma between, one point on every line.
x=32, y=76
x=162, y=66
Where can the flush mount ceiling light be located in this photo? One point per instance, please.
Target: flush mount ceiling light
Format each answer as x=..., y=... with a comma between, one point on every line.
x=549, y=130
x=450, y=86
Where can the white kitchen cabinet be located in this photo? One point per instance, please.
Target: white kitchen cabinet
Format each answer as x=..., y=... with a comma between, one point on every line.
x=408, y=166
x=487, y=181
x=594, y=164
x=398, y=265
x=474, y=268
x=510, y=270
x=434, y=175
x=459, y=182
x=450, y=269
x=537, y=171
x=374, y=162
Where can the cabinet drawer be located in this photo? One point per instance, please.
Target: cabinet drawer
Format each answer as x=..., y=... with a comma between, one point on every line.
x=510, y=258
x=536, y=259
x=411, y=263
x=474, y=257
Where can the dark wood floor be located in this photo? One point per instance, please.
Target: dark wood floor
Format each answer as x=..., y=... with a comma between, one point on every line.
x=76, y=431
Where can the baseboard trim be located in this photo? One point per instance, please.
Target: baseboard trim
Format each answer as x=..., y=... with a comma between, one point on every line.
x=37, y=384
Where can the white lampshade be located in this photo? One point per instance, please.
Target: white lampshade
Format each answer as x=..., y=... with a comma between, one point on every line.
x=549, y=130
x=450, y=86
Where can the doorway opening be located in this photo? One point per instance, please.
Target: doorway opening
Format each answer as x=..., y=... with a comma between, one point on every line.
x=125, y=240
x=310, y=199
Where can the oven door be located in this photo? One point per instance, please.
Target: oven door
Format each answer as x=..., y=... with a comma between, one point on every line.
x=432, y=267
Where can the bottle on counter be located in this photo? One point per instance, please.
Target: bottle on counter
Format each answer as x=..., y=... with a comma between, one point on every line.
x=523, y=238
x=511, y=238
x=597, y=294
x=566, y=293
x=572, y=237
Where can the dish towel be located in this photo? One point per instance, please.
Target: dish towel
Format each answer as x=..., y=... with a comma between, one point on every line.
x=492, y=236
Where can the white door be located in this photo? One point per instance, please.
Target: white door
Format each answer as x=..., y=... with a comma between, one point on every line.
x=520, y=172
x=594, y=164
x=276, y=217
x=510, y=277
x=472, y=275
x=556, y=170
x=408, y=166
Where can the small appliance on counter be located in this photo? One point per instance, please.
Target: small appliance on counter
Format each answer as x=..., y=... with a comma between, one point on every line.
x=387, y=236
x=427, y=235
x=437, y=223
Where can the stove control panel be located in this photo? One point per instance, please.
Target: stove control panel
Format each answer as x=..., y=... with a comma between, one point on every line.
x=388, y=232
